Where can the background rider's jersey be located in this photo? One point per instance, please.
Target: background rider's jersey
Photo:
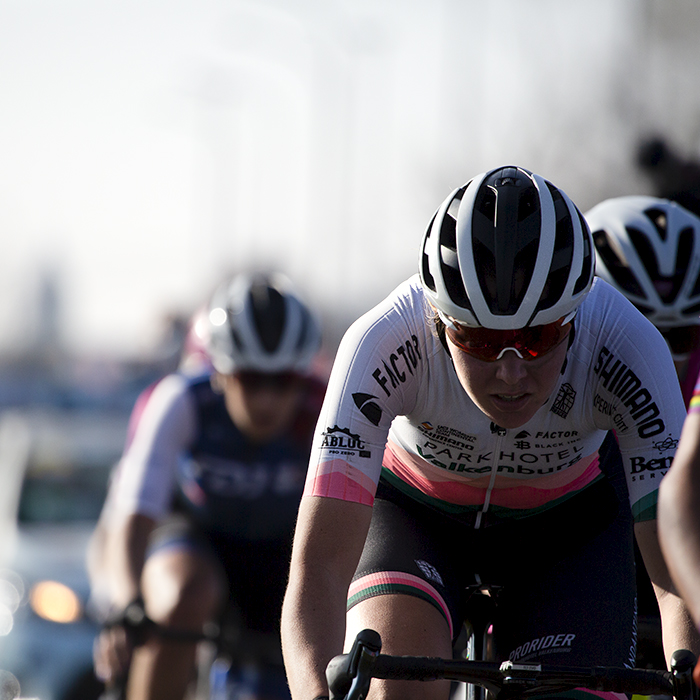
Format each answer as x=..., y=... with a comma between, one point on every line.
x=186, y=453
x=395, y=407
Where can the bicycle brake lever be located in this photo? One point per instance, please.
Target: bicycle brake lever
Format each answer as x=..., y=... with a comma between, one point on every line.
x=349, y=675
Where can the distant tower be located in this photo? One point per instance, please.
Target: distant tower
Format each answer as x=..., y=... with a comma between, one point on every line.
x=47, y=333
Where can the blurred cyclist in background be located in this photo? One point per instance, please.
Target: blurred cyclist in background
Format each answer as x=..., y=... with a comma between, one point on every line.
x=193, y=361
x=648, y=248
x=202, y=505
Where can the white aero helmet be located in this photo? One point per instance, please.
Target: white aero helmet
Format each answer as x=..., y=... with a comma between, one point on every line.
x=507, y=250
x=649, y=249
x=258, y=323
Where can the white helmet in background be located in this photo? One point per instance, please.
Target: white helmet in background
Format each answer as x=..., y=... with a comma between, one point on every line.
x=648, y=248
x=505, y=251
x=257, y=323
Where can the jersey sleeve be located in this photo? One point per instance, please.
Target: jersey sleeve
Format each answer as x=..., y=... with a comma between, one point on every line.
x=637, y=394
x=145, y=477
x=375, y=377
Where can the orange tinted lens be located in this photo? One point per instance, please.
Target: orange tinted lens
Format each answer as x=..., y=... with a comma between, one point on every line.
x=487, y=343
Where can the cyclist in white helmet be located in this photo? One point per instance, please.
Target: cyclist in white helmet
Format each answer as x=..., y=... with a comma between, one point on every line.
x=201, y=509
x=649, y=250
x=458, y=443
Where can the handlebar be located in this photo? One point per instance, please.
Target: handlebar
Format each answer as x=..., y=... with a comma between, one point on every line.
x=139, y=627
x=349, y=675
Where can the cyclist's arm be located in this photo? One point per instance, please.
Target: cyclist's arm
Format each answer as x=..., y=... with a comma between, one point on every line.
x=126, y=553
x=678, y=630
x=123, y=559
x=139, y=495
x=329, y=538
x=679, y=515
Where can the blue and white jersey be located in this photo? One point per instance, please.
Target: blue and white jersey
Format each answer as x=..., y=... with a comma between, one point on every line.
x=187, y=453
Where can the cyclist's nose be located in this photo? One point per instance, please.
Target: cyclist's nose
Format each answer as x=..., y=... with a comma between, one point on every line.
x=511, y=369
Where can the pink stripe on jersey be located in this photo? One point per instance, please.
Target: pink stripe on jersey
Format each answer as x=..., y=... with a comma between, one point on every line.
x=509, y=492
x=338, y=479
x=400, y=578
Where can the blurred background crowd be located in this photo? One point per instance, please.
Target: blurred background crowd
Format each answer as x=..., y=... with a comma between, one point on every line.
x=149, y=148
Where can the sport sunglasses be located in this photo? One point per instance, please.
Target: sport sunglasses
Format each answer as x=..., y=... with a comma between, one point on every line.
x=278, y=381
x=489, y=344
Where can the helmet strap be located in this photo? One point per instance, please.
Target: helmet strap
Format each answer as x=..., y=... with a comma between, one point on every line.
x=572, y=335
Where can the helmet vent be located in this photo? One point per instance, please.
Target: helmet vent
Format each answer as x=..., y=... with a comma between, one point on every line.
x=692, y=311
x=587, y=266
x=562, y=256
x=486, y=205
x=449, y=263
x=658, y=218
x=235, y=336
x=696, y=288
x=646, y=310
x=453, y=209
x=269, y=315
x=303, y=338
x=618, y=268
x=667, y=287
x=528, y=204
x=505, y=245
x=428, y=279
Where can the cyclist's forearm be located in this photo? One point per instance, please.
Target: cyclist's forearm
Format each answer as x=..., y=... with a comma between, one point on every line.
x=678, y=629
x=681, y=539
x=127, y=552
x=328, y=541
x=679, y=516
x=313, y=629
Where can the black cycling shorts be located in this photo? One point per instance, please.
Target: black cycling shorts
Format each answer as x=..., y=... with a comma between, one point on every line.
x=256, y=570
x=566, y=577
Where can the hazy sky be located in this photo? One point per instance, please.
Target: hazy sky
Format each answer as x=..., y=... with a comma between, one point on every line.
x=148, y=147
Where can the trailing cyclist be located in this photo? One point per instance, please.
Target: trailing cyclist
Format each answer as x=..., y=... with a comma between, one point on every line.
x=201, y=510
x=648, y=248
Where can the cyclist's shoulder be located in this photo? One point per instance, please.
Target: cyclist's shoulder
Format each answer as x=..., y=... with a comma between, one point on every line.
x=403, y=303
x=608, y=322
x=162, y=400
x=401, y=319
x=176, y=386
x=605, y=306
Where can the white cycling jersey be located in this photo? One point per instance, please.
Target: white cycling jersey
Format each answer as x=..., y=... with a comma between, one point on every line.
x=395, y=407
